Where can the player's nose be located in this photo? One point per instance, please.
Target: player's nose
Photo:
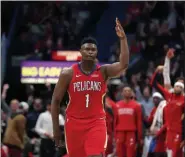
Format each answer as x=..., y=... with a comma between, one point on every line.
x=90, y=52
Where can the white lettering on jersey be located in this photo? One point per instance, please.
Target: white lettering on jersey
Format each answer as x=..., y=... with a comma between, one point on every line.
x=128, y=111
x=87, y=86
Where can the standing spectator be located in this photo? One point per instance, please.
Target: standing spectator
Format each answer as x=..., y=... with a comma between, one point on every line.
x=47, y=50
x=44, y=127
x=14, y=104
x=46, y=93
x=147, y=101
x=14, y=134
x=59, y=45
x=32, y=117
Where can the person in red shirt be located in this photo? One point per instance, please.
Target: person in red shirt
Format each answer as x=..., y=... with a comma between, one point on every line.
x=174, y=116
x=85, y=82
x=128, y=125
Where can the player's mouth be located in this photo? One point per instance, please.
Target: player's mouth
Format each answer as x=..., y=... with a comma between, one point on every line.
x=90, y=57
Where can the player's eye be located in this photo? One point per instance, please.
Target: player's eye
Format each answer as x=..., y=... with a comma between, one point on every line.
x=87, y=49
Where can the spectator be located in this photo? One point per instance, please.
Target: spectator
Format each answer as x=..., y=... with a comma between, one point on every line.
x=14, y=134
x=135, y=47
x=14, y=104
x=147, y=101
x=59, y=45
x=172, y=16
x=48, y=49
x=32, y=117
x=3, y=123
x=44, y=128
x=46, y=93
x=151, y=69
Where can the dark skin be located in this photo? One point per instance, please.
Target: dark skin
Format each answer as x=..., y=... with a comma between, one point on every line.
x=127, y=94
x=89, y=54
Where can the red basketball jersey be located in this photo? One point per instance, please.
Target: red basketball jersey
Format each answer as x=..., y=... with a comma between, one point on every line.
x=86, y=93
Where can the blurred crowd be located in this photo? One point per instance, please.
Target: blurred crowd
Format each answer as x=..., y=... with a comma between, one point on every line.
x=151, y=33
x=152, y=28
x=26, y=126
x=49, y=26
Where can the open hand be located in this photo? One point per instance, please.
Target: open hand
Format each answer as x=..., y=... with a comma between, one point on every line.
x=58, y=139
x=170, y=53
x=119, y=30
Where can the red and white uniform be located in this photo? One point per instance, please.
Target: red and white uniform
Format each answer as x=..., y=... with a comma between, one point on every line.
x=85, y=127
x=128, y=126
x=173, y=119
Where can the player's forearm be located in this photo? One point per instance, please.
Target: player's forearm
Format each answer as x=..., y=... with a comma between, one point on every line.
x=166, y=73
x=124, y=54
x=55, y=110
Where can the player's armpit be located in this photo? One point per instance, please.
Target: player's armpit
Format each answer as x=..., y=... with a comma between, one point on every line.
x=62, y=85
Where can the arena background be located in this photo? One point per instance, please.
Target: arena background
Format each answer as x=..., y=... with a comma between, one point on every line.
x=38, y=39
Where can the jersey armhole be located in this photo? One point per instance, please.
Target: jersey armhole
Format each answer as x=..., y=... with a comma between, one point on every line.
x=73, y=67
x=101, y=74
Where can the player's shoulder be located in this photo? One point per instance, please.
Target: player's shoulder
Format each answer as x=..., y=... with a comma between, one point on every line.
x=137, y=104
x=103, y=68
x=66, y=72
x=119, y=103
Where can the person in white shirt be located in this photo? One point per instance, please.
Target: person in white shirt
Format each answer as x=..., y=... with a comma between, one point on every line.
x=44, y=127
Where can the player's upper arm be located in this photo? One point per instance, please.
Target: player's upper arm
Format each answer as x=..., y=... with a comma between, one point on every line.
x=113, y=70
x=62, y=85
x=168, y=86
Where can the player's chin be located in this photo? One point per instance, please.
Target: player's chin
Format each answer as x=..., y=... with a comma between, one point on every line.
x=89, y=58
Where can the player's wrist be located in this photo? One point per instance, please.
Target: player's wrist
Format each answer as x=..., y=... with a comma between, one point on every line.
x=122, y=38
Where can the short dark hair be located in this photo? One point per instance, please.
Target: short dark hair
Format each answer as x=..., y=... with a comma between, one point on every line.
x=48, y=102
x=179, y=78
x=89, y=40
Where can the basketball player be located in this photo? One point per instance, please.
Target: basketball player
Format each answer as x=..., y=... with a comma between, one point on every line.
x=174, y=117
x=85, y=82
x=128, y=125
x=166, y=71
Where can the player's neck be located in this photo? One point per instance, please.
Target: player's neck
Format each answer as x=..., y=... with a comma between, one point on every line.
x=87, y=66
x=126, y=100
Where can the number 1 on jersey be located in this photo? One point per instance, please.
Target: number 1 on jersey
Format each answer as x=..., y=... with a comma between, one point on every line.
x=87, y=100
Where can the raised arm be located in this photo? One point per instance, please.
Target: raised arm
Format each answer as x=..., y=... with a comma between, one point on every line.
x=115, y=69
x=5, y=106
x=155, y=84
x=58, y=94
x=166, y=69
